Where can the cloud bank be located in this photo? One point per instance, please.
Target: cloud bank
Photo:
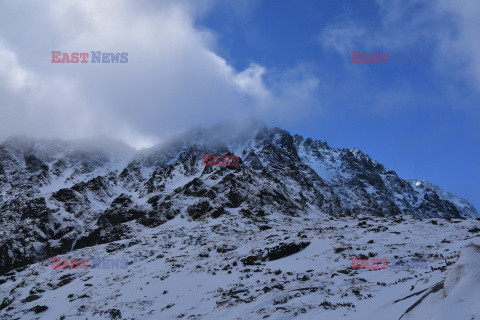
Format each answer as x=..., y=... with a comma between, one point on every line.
x=172, y=81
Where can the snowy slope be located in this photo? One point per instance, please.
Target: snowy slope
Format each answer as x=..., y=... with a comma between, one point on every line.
x=199, y=270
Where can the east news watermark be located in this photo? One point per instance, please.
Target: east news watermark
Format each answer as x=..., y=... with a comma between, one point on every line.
x=395, y=264
x=59, y=263
x=209, y=160
x=92, y=57
x=389, y=57
x=223, y=161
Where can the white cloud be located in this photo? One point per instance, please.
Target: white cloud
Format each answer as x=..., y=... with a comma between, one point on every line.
x=459, y=50
x=342, y=37
x=251, y=81
x=13, y=76
x=173, y=79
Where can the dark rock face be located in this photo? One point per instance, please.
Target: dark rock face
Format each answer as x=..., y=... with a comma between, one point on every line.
x=278, y=252
x=38, y=309
x=285, y=250
x=58, y=195
x=5, y=303
x=122, y=209
x=30, y=298
x=199, y=209
x=3, y=177
x=34, y=164
x=35, y=208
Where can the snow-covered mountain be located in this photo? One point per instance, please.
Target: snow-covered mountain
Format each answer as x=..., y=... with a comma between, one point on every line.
x=60, y=195
x=270, y=237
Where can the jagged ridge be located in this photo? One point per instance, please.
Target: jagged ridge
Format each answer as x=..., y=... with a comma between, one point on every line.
x=59, y=195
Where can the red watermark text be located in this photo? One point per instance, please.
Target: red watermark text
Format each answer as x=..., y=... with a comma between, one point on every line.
x=223, y=161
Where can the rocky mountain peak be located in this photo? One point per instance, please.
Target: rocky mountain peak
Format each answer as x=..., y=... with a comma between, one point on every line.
x=90, y=192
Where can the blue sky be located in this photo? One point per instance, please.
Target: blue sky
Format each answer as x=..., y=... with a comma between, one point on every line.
x=287, y=63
